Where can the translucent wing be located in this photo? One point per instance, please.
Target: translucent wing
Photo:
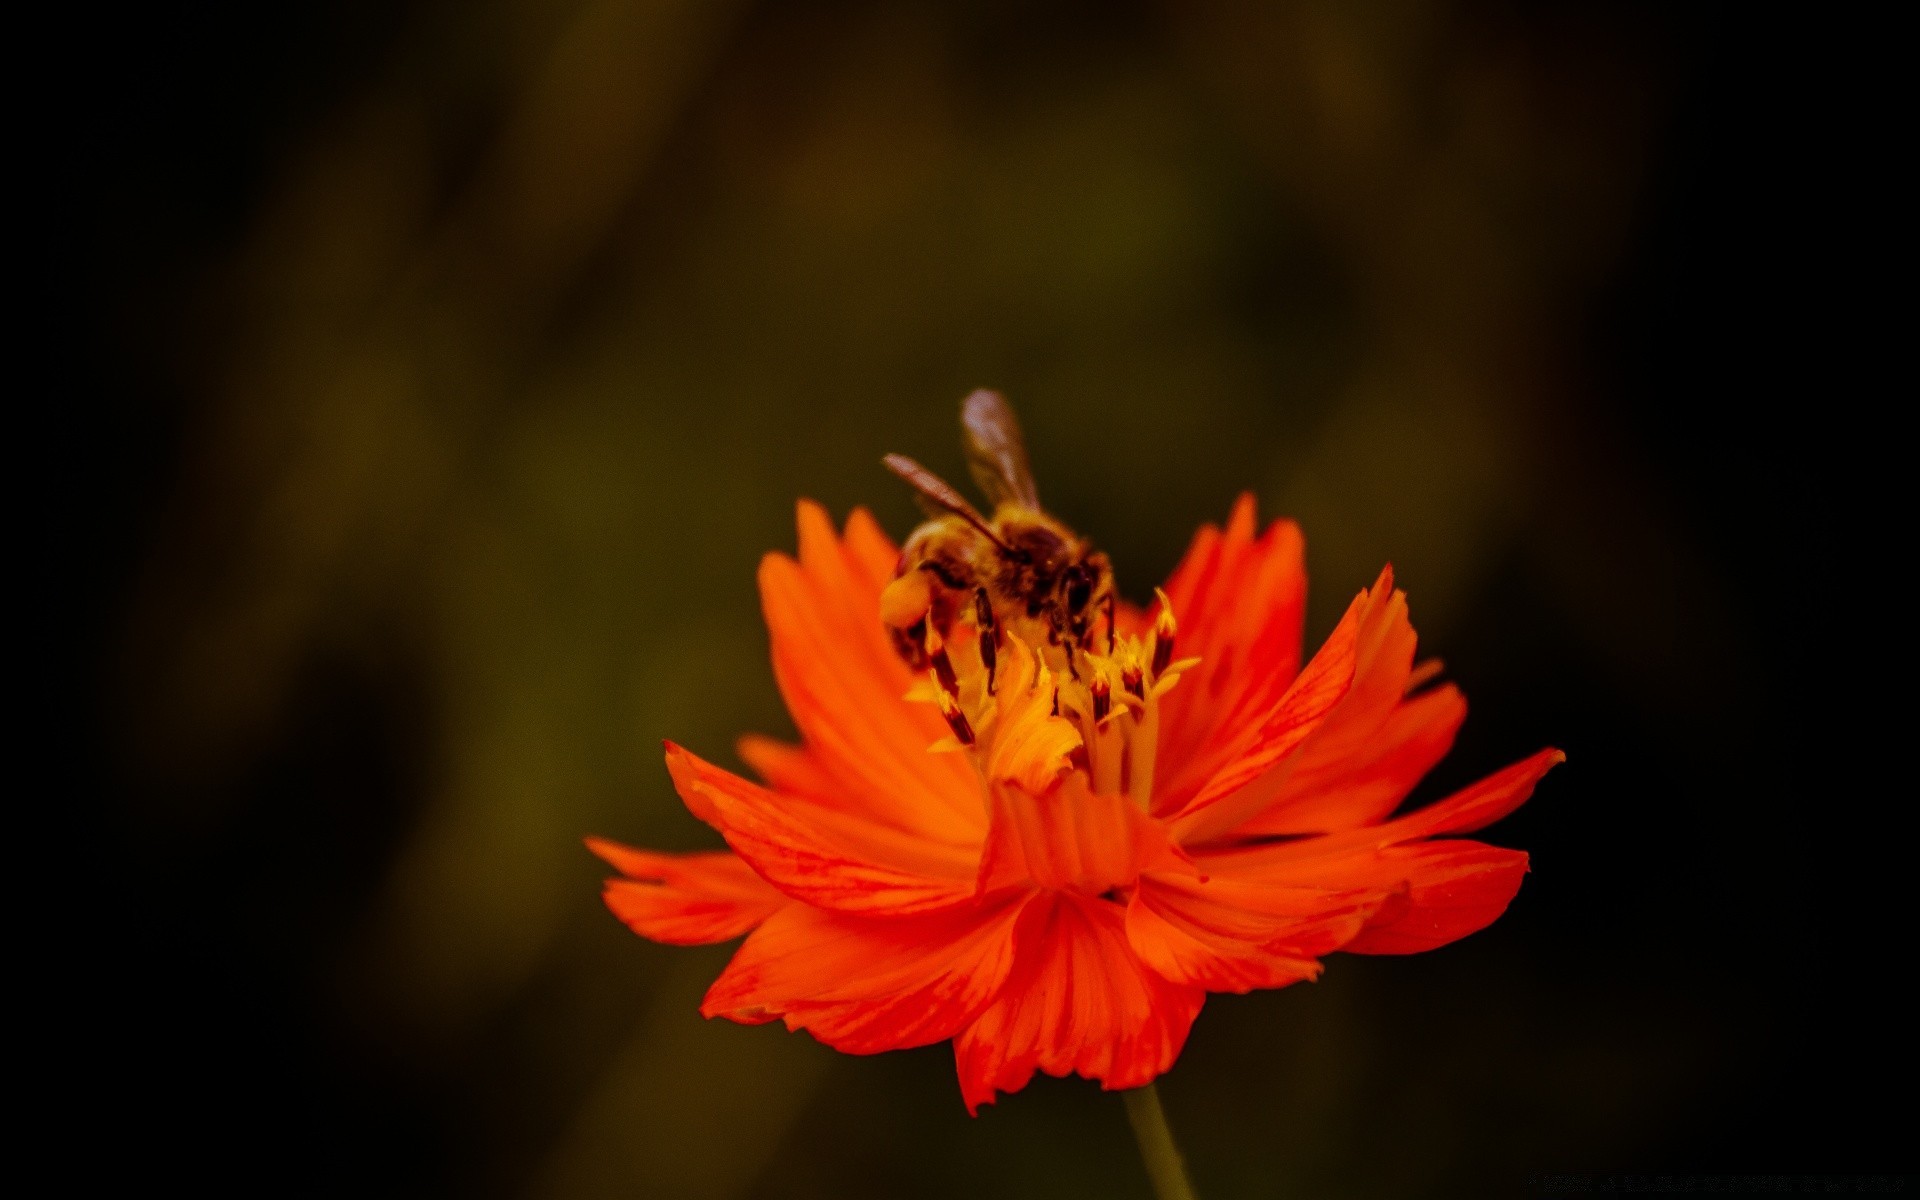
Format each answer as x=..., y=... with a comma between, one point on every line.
x=937, y=494
x=996, y=453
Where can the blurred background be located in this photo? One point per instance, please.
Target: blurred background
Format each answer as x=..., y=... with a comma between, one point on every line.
x=439, y=372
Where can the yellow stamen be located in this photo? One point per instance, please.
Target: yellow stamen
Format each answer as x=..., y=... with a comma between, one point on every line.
x=956, y=719
x=1164, y=629
x=1098, y=714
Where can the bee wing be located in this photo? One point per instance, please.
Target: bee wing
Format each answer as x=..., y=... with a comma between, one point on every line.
x=996, y=453
x=936, y=493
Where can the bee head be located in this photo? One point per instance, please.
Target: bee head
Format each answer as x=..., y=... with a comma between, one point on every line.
x=1041, y=548
x=1076, y=587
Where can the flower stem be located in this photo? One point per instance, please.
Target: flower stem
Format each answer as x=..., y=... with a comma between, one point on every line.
x=1164, y=1168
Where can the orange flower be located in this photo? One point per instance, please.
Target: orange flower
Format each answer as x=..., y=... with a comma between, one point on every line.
x=1052, y=863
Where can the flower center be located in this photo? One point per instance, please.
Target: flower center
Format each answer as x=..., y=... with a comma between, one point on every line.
x=1030, y=715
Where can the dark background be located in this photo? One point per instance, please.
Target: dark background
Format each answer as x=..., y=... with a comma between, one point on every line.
x=424, y=381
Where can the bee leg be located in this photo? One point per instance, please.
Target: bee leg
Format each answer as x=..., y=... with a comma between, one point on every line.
x=942, y=665
x=1055, y=638
x=989, y=634
x=1059, y=635
x=1110, y=622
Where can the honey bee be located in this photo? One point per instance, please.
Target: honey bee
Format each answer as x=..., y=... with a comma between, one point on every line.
x=1022, y=569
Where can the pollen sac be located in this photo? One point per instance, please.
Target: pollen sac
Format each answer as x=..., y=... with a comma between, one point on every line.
x=1134, y=681
x=906, y=600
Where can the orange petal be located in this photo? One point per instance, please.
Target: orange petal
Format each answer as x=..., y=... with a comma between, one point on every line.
x=823, y=855
x=1072, y=839
x=685, y=899
x=1229, y=935
x=1129, y=618
x=844, y=685
x=1241, y=603
x=864, y=984
x=1429, y=892
x=792, y=770
x=871, y=554
x=1454, y=888
x=1335, y=783
x=1245, y=778
x=1370, y=751
x=1318, y=861
x=1477, y=805
x=1078, y=1003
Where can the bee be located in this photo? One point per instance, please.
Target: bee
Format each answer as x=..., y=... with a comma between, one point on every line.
x=1021, y=570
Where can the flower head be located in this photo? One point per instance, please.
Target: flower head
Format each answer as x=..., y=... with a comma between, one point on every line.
x=1051, y=854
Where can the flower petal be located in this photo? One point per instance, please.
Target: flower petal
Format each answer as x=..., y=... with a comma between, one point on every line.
x=844, y=685
x=1253, y=767
x=1477, y=805
x=825, y=856
x=871, y=554
x=788, y=769
x=685, y=899
x=1241, y=603
x=1229, y=935
x=1431, y=892
x=866, y=984
x=1454, y=888
x=1303, y=862
x=1130, y=619
x=1078, y=1002
x=1072, y=839
x=1365, y=758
